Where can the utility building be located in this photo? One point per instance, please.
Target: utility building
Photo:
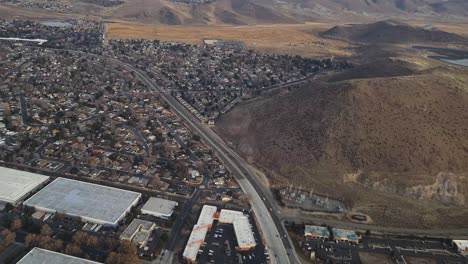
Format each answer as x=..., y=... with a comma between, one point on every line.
x=158, y=207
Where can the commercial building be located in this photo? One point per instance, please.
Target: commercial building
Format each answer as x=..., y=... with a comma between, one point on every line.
x=462, y=246
x=316, y=232
x=345, y=235
x=17, y=185
x=41, y=256
x=138, y=232
x=244, y=235
x=242, y=229
x=228, y=216
x=159, y=207
x=93, y=203
x=197, y=237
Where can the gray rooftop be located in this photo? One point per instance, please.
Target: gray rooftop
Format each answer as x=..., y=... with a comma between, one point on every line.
x=93, y=203
x=42, y=256
x=17, y=184
x=159, y=206
x=138, y=231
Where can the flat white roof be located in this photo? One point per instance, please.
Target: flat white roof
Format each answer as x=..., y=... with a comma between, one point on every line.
x=227, y=216
x=158, y=206
x=207, y=215
x=244, y=234
x=16, y=184
x=195, y=241
x=461, y=244
x=92, y=202
x=42, y=256
x=199, y=232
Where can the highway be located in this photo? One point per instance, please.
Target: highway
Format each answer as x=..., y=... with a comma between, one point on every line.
x=281, y=250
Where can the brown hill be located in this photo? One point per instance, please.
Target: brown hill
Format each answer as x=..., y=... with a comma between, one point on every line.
x=390, y=32
x=252, y=11
x=373, y=142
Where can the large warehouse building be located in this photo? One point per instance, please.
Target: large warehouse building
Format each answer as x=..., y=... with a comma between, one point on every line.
x=42, y=256
x=17, y=185
x=91, y=202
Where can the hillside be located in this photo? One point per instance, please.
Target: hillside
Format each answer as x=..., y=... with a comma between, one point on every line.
x=240, y=12
x=390, y=32
x=376, y=140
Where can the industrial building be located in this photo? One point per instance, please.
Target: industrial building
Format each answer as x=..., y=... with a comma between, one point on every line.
x=462, y=246
x=138, y=232
x=316, y=232
x=158, y=207
x=197, y=237
x=345, y=235
x=17, y=185
x=39, y=256
x=93, y=203
x=244, y=235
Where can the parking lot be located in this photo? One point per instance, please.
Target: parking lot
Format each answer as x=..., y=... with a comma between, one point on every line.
x=220, y=247
x=343, y=252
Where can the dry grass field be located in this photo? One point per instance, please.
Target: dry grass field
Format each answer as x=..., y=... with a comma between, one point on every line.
x=457, y=28
x=297, y=39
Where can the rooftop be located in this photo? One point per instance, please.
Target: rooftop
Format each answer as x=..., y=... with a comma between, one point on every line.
x=207, y=215
x=195, y=240
x=227, y=216
x=17, y=184
x=199, y=232
x=42, y=256
x=138, y=231
x=244, y=234
x=344, y=234
x=158, y=206
x=317, y=231
x=93, y=203
x=461, y=244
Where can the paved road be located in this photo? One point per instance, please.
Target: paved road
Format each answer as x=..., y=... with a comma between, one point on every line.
x=276, y=239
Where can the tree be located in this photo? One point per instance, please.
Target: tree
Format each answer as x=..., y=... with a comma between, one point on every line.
x=72, y=250
x=92, y=242
x=118, y=258
x=46, y=230
x=32, y=240
x=80, y=238
x=16, y=225
x=127, y=247
x=6, y=238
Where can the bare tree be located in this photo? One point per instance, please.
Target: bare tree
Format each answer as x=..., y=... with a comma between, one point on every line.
x=16, y=225
x=46, y=230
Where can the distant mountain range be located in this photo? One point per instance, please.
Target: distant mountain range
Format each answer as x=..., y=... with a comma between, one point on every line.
x=287, y=11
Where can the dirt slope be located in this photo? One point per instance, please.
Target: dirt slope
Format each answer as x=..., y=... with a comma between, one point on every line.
x=371, y=141
x=390, y=32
